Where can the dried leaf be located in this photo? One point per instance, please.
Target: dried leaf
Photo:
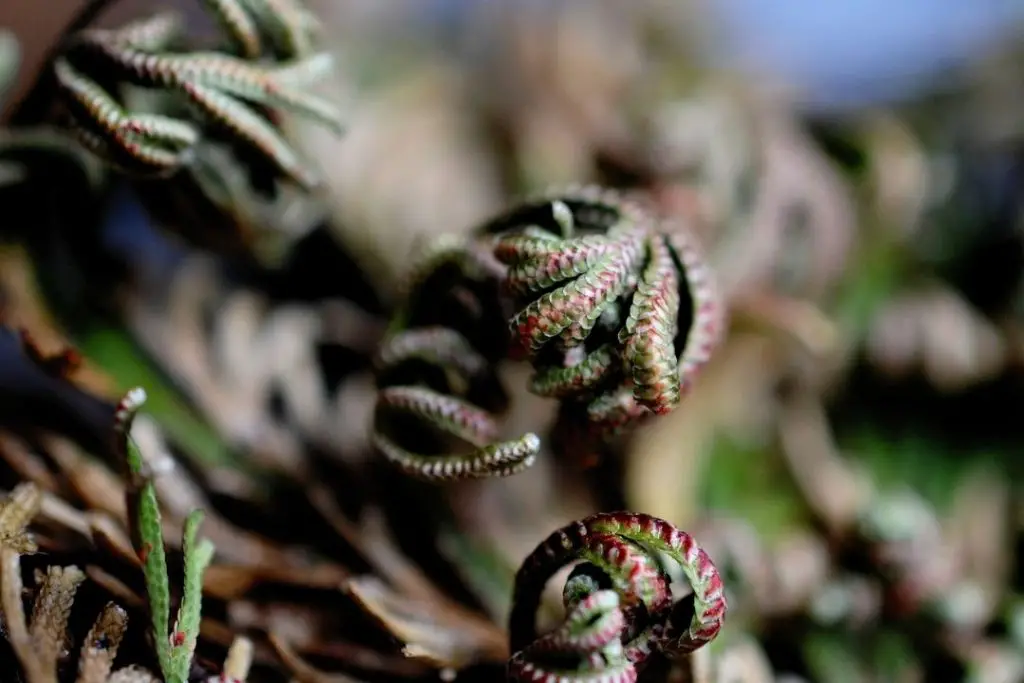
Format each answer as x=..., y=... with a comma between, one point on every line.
x=230, y=582
x=441, y=635
x=100, y=646
x=238, y=660
x=51, y=611
x=302, y=671
x=17, y=510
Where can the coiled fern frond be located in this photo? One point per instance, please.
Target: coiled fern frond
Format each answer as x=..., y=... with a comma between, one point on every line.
x=616, y=313
x=618, y=600
x=435, y=371
x=227, y=95
x=614, y=310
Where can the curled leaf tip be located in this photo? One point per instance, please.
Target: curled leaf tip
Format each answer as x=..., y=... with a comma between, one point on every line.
x=618, y=599
x=202, y=95
x=616, y=311
x=587, y=646
x=614, y=308
x=438, y=391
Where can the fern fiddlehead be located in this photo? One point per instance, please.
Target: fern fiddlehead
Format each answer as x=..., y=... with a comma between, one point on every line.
x=435, y=371
x=611, y=639
x=614, y=311
x=226, y=91
x=616, y=314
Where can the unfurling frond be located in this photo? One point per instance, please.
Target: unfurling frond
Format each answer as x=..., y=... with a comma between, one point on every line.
x=618, y=600
x=614, y=309
x=587, y=646
x=616, y=313
x=227, y=94
x=435, y=373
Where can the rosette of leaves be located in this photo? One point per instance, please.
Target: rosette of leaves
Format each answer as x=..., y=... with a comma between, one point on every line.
x=618, y=600
x=435, y=371
x=616, y=312
x=203, y=95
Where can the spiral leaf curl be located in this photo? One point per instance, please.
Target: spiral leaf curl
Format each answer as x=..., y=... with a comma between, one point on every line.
x=615, y=311
x=226, y=91
x=435, y=372
x=618, y=553
x=591, y=633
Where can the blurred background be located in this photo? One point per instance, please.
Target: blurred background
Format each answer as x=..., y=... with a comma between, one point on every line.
x=851, y=457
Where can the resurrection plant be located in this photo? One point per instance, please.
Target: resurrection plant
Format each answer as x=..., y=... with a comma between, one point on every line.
x=618, y=600
x=614, y=309
x=232, y=95
x=616, y=312
x=174, y=645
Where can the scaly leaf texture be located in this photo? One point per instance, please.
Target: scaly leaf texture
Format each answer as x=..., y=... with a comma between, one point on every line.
x=39, y=643
x=146, y=526
x=50, y=613
x=615, y=310
x=429, y=373
x=174, y=650
x=99, y=649
x=283, y=29
x=585, y=648
x=617, y=552
x=198, y=554
x=16, y=511
x=225, y=90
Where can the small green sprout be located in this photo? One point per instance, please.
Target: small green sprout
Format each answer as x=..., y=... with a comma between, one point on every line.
x=174, y=646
